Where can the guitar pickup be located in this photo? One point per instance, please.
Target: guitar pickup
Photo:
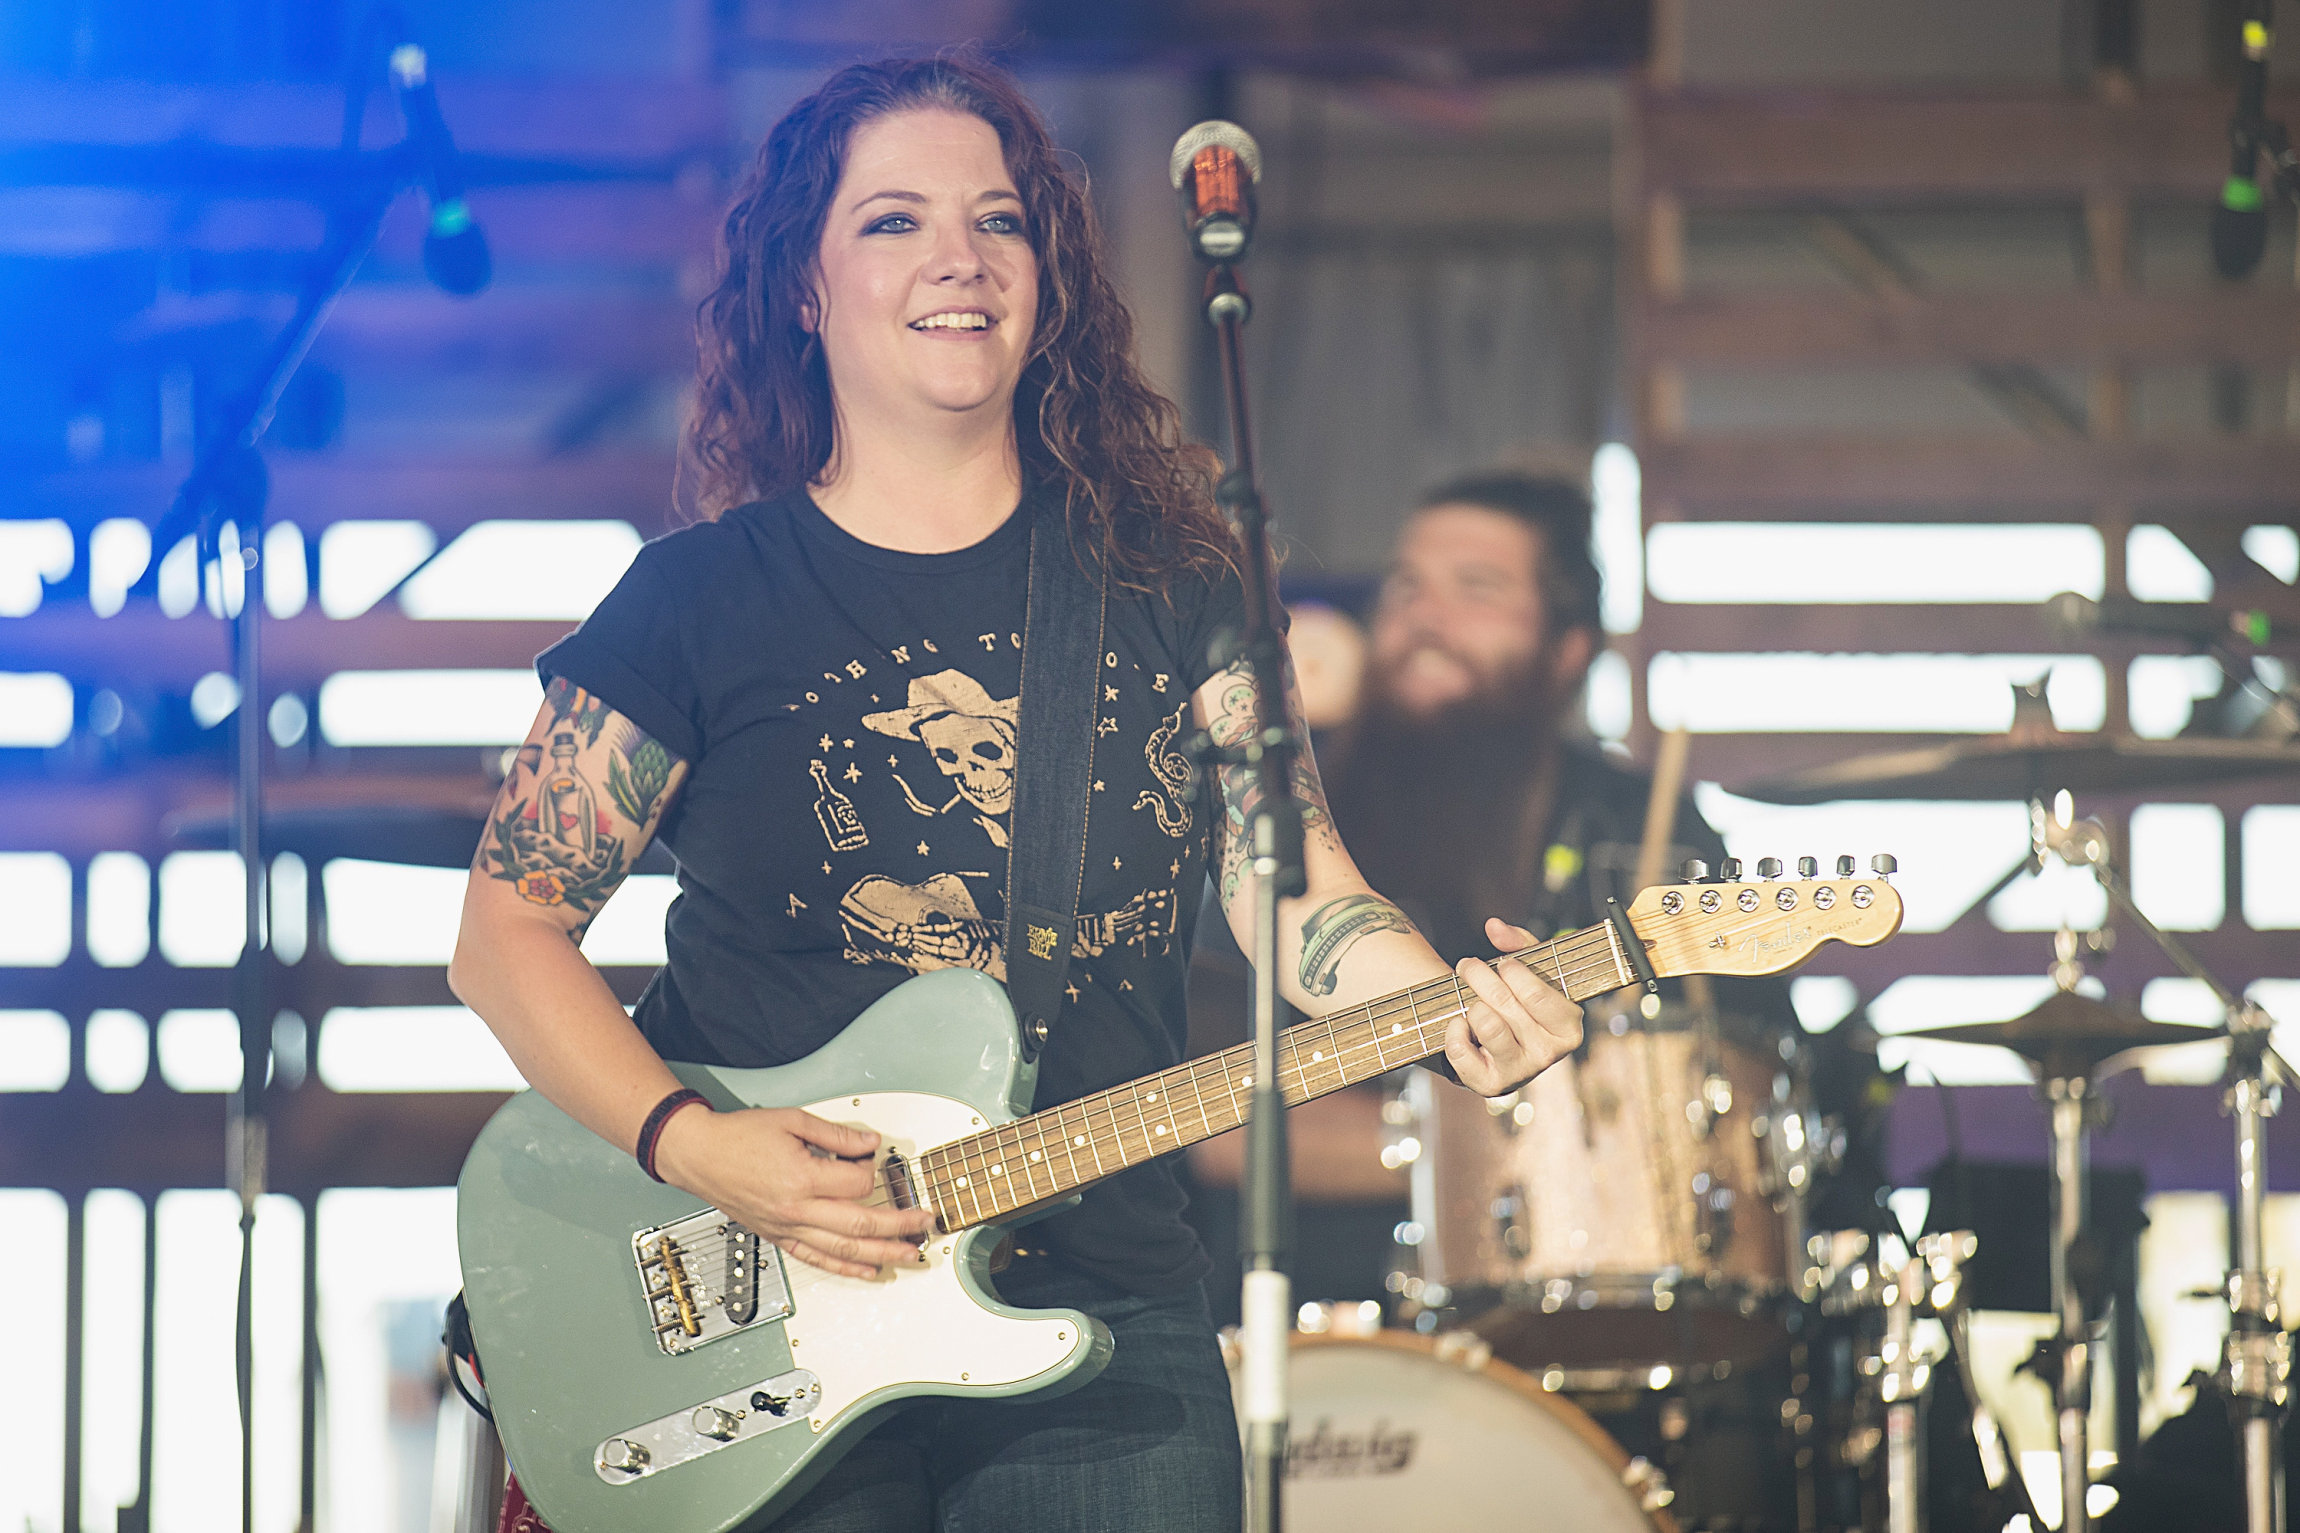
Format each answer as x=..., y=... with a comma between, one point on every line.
x=741, y=1286
x=705, y=1277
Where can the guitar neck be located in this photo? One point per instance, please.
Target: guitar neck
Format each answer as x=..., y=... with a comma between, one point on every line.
x=1051, y=1154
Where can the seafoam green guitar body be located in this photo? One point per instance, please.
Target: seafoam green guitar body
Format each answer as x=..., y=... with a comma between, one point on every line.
x=736, y=1423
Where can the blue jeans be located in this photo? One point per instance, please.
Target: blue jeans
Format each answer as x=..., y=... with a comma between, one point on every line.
x=1150, y=1444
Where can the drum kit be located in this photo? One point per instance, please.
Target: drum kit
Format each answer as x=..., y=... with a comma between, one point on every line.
x=1618, y=1292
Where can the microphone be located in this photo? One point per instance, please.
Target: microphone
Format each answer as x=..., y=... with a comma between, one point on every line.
x=2240, y=219
x=1214, y=167
x=454, y=251
x=2072, y=616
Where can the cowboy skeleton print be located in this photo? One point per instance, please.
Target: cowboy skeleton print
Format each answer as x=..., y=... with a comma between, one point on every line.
x=917, y=834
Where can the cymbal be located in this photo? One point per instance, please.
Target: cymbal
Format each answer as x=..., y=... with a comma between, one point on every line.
x=2071, y=1034
x=2005, y=767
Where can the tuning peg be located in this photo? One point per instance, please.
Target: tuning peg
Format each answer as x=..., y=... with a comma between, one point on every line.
x=1883, y=865
x=1769, y=867
x=1696, y=871
x=1808, y=867
x=1729, y=869
x=1844, y=867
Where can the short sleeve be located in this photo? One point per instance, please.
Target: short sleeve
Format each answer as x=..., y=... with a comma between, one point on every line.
x=1221, y=608
x=632, y=654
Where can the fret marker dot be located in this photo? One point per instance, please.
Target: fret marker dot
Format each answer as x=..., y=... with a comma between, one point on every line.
x=962, y=1181
x=1396, y=1028
x=1152, y=1097
x=998, y=1171
x=1080, y=1140
x=1161, y=1128
x=1317, y=1056
x=1037, y=1155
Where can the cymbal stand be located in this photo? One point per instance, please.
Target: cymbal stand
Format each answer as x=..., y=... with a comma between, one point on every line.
x=2258, y=1361
x=2070, y=1096
x=1902, y=1386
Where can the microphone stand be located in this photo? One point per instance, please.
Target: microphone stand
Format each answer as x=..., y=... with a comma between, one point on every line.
x=226, y=492
x=1273, y=832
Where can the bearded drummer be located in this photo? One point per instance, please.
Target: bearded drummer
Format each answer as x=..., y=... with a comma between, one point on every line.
x=1465, y=782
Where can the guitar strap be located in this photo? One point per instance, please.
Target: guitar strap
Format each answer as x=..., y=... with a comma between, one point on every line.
x=1062, y=636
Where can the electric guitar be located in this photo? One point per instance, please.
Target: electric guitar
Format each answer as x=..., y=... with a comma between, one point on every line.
x=653, y=1364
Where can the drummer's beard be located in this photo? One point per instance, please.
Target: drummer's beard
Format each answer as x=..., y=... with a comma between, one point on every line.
x=1433, y=804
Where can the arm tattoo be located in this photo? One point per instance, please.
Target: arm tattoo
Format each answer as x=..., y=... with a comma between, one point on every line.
x=569, y=701
x=1235, y=719
x=1334, y=928
x=637, y=791
x=552, y=837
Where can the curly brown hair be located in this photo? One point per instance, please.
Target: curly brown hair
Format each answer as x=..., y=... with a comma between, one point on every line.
x=1085, y=417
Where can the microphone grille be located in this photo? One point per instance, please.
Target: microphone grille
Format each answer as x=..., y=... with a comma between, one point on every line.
x=1214, y=133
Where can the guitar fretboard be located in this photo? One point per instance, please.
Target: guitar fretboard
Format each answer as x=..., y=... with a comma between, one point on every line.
x=1052, y=1154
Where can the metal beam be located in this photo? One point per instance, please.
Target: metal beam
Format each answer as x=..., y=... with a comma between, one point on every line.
x=1717, y=149
x=310, y=988
x=605, y=119
x=1845, y=478
x=2258, y=327
x=154, y=1138
x=2238, y=956
x=314, y=490
x=141, y=648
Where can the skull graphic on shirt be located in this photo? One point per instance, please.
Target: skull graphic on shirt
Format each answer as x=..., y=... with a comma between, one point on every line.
x=977, y=755
x=969, y=735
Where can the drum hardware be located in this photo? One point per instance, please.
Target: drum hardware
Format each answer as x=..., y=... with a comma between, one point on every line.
x=2257, y=1362
x=1620, y=1211
x=2071, y=1041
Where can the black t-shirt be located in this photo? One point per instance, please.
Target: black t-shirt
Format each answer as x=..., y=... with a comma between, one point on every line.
x=849, y=716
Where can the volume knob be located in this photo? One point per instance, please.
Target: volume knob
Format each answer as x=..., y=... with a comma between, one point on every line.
x=622, y=1454
x=710, y=1421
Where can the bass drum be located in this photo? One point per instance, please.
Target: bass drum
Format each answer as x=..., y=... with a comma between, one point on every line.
x=1399, y=1433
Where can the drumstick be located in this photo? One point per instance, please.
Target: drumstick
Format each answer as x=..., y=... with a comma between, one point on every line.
x=1661, y=808
x=1660, y=827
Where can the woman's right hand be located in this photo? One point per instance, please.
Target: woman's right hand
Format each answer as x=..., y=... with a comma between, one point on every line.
x=797, y=1180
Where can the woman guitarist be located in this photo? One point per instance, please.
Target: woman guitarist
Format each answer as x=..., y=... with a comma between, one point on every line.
x=811, y=698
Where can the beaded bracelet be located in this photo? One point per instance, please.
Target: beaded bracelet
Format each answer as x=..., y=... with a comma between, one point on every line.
x=652, y=1129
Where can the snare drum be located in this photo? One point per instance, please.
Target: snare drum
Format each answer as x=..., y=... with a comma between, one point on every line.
x=1395, y=1432
x=1622, y=1203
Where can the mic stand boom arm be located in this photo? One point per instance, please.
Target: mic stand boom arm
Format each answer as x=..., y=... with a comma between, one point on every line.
x=228, y=487
x=1273, y=832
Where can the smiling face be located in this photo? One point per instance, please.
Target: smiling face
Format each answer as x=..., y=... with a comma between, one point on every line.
x=1461, y=620
x=927, y=287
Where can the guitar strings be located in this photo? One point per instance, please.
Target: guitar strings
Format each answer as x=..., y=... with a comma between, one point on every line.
x=1573, y=960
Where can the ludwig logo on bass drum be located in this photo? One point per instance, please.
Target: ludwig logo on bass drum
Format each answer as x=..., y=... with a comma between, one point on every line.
x=1326, y=1454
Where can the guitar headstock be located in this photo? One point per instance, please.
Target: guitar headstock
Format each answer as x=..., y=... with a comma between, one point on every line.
x=1762, y=926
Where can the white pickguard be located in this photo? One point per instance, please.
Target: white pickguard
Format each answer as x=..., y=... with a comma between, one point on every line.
x=915, y=1325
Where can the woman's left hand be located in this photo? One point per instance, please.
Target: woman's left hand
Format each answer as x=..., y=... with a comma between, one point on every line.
x=1516, y=1028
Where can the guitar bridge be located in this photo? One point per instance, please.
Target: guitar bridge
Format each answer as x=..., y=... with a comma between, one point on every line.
x=705, y=1277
